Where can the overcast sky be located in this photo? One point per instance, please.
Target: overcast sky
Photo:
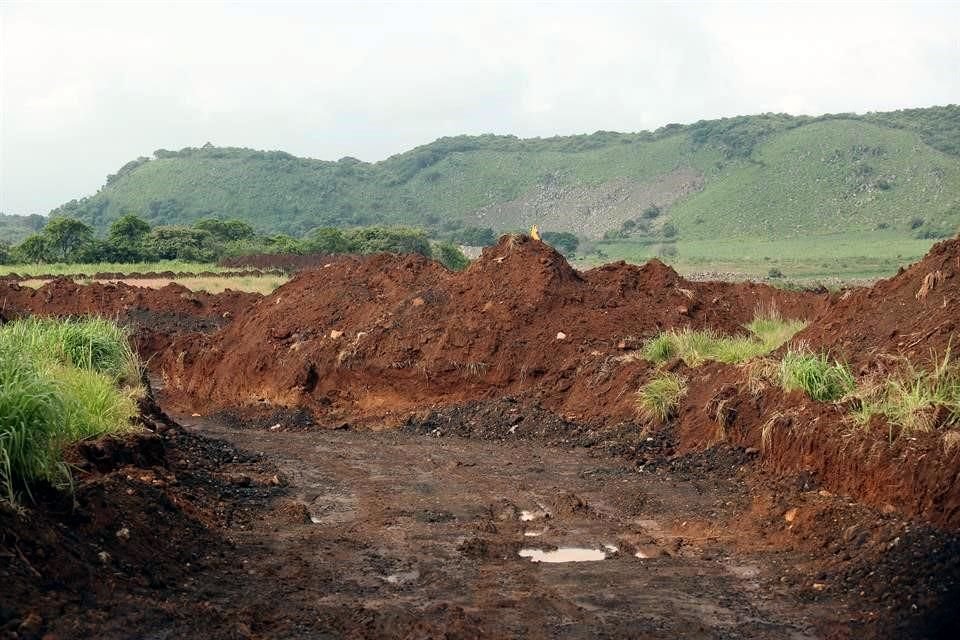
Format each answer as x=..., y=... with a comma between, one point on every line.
x=86, y=87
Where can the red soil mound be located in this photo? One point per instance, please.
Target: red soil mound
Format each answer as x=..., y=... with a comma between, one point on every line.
x=915, y=313
x=387, y=335
x=66, y=297
x=157, y=315
x=283, y=262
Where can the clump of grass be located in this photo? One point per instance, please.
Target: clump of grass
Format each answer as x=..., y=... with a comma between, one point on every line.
x=31, y=408
x=913, y=399
x=815, y=375
x=659, y=398
x=768, y=331
x=61, y=381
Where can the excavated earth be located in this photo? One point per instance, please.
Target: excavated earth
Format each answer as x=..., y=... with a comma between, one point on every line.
x=377, y=448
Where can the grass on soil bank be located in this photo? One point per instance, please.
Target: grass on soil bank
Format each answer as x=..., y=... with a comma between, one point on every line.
x=659, y=398
x=78, y=269
x=912, y=399
x=909, y=398
x=61, y=381
x=768, y=331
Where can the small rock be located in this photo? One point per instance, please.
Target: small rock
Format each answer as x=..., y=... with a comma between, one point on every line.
x=888, y=509
x=823, y=493
x=790, y=515
x=561, y=335
x=417, y=302
x=123, y=534
x=751, y=451
x=104, y=557
x=819, y=586
x=275, y=427
x=240, y=480
x=195, y=415
x=334, y=334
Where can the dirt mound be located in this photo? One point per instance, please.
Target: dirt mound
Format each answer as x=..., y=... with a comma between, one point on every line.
x=63, y=296
x=156, y=315
x=915, y=313
x=287, y=262
x=382, y=336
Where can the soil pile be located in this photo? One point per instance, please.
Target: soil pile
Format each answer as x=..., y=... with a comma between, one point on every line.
x=63, y=296
x=287, y=262
x=156, y=315
x=382, y=336
x=916, y=313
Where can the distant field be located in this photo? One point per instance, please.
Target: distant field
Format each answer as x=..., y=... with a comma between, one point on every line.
x=866, y=255
x=176, y=266
x=210, y=284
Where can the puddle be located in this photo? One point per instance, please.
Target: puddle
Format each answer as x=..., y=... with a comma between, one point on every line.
x=564, y=554
x=527, y=516
x=532, y=534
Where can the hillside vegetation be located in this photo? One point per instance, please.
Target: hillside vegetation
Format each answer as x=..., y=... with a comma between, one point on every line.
x=894, y=177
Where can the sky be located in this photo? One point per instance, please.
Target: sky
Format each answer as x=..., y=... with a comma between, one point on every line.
x=86, y=87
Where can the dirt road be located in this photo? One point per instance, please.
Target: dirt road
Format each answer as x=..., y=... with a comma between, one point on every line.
x=414, y=536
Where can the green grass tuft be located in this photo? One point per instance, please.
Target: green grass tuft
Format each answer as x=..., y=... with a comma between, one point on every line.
x=61, y=381
x=659, y=398
x=768, y=332
x=815, y=375
x=913, y=399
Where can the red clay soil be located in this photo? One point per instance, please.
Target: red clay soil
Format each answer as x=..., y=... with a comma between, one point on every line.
x=915, y=313
x=287, y=262
x=379, y=337
x=915, y=476
x=63, y=296
x=156, y=315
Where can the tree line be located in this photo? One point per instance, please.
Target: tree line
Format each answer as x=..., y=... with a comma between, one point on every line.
x=131, y=239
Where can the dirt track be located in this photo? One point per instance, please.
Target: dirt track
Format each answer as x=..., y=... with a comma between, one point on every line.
x=423, y=535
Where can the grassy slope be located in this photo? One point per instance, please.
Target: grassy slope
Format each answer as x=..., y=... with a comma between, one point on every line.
x=820, y=179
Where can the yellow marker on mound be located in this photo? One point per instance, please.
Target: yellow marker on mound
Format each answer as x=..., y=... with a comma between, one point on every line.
x=535, y=232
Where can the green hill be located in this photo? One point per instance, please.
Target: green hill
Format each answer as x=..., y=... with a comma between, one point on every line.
x=759, y=178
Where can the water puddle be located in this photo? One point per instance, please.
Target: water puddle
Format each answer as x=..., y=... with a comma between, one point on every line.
x=564, y=554
x=527, y=516
x=533, y=534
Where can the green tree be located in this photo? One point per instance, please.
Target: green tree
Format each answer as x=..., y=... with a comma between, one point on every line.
x=226, y=230
x=65, y=237
x=182, y=243
x=390, y=240
x=33, y=249
x=326, y=240
x=563, y=241
x=476, y=236
x=126, y=238
x=6, y=253
x=450, y=256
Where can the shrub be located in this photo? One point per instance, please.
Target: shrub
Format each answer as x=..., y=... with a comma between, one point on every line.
x=659, y=398
x=814, y=374
x=774, y=273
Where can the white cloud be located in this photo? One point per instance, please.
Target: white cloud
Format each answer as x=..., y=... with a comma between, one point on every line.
x=86, y=87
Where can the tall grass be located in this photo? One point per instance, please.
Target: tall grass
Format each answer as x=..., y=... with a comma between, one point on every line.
x=768, y=331
x=815, y=375
x=659, y=398
x=61, y=381
x=912, y=399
